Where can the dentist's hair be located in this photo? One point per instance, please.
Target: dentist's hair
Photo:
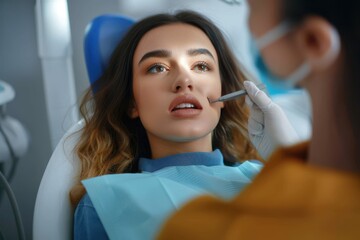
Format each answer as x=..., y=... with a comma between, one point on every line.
x=112, y=142
x=344, y=16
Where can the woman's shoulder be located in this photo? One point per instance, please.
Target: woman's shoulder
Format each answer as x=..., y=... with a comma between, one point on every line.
x=87, y=224
x=85, y=201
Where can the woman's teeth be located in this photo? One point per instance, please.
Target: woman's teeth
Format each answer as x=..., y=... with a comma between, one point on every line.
x=184, y=105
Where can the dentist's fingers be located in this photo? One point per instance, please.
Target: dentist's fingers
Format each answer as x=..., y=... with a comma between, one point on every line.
x=249, y=102
x=256, y=118
x=257, y=96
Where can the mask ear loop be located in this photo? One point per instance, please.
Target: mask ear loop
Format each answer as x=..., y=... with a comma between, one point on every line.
x=301, y=73
x=279, y=31
x=276, y=33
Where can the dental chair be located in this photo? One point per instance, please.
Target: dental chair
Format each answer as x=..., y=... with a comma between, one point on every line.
x=53, y=213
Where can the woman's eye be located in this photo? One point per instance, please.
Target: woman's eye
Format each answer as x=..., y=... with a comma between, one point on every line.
x=157, y=69
x=201, y=67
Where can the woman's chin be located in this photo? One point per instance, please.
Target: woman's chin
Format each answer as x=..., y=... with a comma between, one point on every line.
x=189, y=137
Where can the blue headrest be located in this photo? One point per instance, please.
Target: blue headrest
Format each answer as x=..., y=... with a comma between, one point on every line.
x=101, y=37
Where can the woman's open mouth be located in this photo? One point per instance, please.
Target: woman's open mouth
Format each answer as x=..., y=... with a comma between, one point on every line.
x=185, y=106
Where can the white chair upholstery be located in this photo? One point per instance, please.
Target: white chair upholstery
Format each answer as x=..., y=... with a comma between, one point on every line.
x=53, y=213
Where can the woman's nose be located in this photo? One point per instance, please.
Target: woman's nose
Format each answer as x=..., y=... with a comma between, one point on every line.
x=182, y=82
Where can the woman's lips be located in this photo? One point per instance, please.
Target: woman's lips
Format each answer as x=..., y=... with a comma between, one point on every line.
x=185, y=106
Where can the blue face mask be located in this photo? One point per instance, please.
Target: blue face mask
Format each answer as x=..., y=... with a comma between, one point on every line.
x=279, y=84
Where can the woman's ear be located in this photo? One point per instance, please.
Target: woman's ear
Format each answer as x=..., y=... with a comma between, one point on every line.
x=133, y=112
x=319, y=41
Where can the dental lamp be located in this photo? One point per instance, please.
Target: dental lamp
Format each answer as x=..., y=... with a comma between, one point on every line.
x=14, y=143
x=14, y=139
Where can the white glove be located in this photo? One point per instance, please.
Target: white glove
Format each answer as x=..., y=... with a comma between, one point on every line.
x=268, y=126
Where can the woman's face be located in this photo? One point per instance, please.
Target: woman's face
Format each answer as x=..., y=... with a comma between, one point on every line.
x=175, y=71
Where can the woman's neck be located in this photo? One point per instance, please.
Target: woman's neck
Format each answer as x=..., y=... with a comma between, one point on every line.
x=163, y=148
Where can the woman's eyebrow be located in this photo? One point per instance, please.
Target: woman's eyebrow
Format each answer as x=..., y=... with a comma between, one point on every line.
x=199, y=51
x=156, y=53
x=162, y=53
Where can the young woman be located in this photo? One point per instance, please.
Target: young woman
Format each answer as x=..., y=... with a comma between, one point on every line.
x=311, y=190
x=150, y=120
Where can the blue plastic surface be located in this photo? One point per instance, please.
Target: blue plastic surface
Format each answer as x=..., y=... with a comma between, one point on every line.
x=101, y=38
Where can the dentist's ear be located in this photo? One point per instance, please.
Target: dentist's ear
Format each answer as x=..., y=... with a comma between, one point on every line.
x=319, y=41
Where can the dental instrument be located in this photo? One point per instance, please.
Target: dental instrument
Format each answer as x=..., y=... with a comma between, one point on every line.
x=235, y=95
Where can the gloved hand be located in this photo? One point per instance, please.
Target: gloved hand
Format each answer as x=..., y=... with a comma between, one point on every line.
x=268, y=126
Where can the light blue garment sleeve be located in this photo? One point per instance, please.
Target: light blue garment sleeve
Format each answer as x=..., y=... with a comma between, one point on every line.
x=134, y=206
x=87, y=225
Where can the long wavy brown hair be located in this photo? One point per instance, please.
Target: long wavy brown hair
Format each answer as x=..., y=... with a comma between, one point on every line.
x=112, y=142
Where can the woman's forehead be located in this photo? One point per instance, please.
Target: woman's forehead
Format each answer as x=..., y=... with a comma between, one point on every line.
x=174, y=37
